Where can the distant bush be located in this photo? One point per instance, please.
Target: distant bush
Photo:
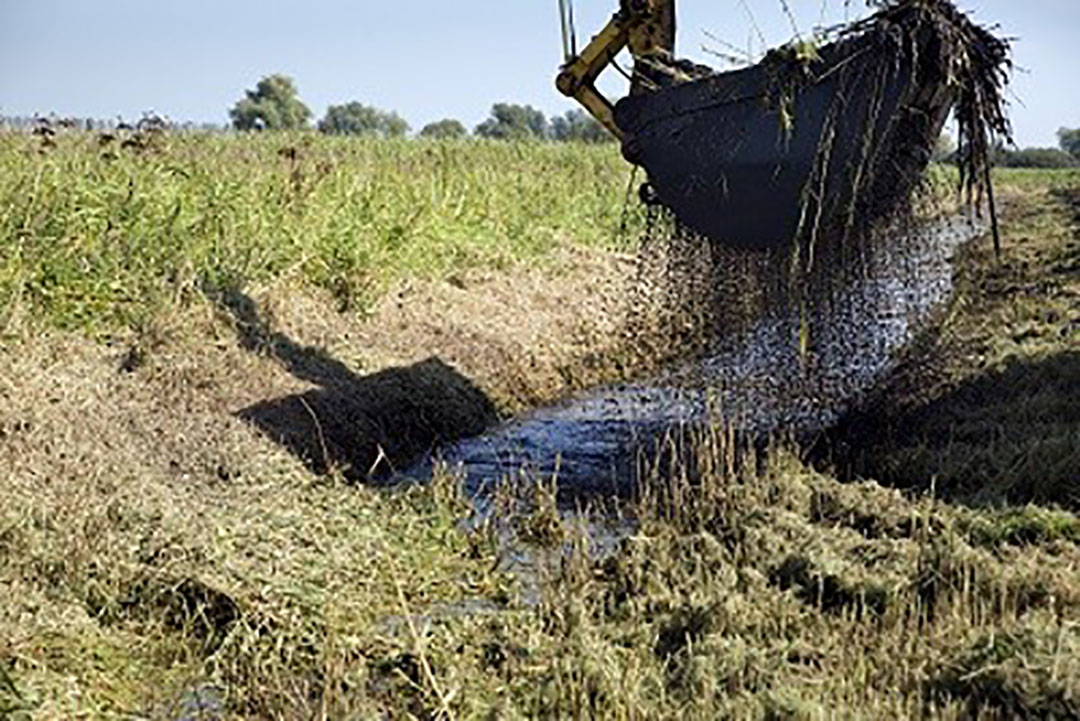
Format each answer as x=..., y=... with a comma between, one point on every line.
x=273, y=105
x=1069, y=139
x=576, y=126
x=444, y=129
x=1035, y=158
x=358, y=119
x=510, y=121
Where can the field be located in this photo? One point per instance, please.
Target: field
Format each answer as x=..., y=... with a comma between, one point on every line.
x=208, y=342
x=101, y=236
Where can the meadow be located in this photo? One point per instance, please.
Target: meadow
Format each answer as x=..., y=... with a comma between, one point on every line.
x=161, y=557
x=102, y=230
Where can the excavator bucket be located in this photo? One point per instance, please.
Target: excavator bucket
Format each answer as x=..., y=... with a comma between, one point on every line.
x=736, y=167
x=812, y=140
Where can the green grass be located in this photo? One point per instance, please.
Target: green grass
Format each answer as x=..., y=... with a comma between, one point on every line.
x=132, y=576
x=99, y=238
x=1037, y=179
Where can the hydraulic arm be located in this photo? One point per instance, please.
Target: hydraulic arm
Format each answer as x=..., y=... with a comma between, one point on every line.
x=647, y=28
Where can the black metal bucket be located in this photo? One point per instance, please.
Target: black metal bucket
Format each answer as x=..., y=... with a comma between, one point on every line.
x=860, y=128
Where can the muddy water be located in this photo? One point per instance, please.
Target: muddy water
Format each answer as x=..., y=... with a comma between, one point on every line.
x=759, y=382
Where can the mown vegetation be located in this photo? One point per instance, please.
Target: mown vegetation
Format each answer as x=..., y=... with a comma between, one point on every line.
x=160, y=558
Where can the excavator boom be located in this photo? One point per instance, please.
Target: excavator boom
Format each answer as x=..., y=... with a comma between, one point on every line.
x=647, y=29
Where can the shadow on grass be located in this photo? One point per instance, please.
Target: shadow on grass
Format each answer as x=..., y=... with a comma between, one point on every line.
x=365, y=426
x=1008, y=436
x=1070, y=198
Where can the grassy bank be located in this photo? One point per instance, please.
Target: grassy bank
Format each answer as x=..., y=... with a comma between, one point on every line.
x=165, y=549
x=101, y=235
x=986, y=408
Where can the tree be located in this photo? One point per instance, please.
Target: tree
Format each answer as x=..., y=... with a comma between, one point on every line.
x=514, y=122
x=1069, y=139
x=272, y=105
x=444, y=129
x=577, y=126
x=358, y=119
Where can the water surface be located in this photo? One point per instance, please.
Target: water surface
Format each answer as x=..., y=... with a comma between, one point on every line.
x=759, y=382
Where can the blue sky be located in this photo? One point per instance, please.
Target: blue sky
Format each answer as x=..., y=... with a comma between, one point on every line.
x=426, y=59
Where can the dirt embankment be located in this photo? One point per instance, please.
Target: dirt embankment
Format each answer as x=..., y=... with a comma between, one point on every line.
x=203, y=392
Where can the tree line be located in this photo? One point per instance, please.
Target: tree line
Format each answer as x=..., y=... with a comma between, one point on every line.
x=1066, y=155
x=275, y=104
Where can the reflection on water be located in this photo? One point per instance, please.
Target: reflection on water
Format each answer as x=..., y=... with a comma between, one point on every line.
x=759, y=382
